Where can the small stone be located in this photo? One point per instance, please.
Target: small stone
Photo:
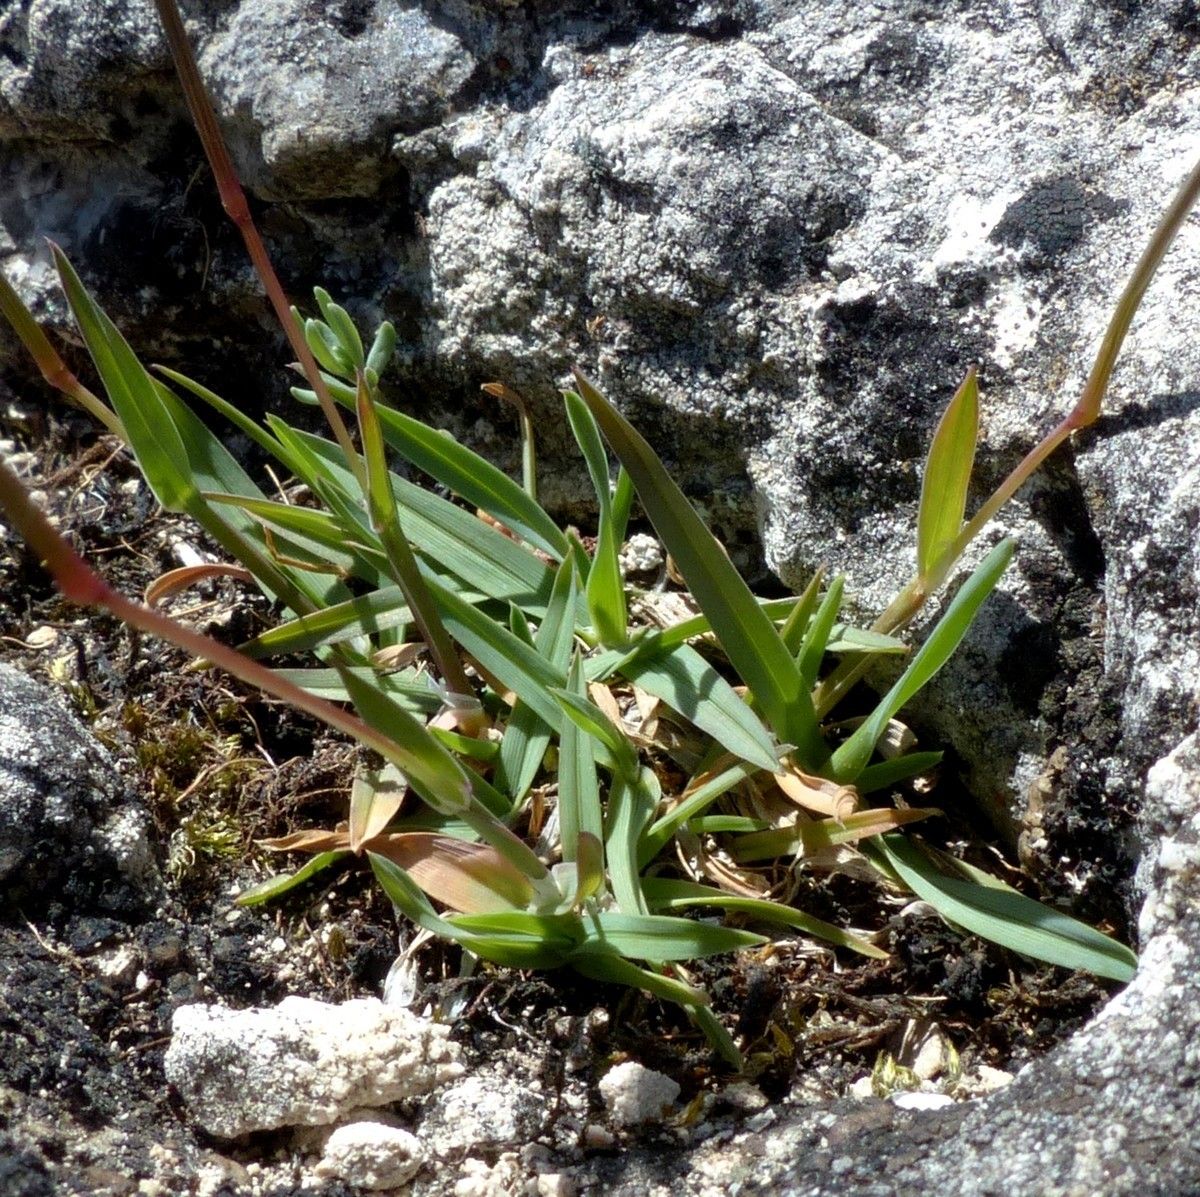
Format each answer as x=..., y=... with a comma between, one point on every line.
x=554, y=1184
x=371, y=1155
x=634, y=1094
x=117, y=966
x=597, y=1137
x=641, y=554
x=303, y=1062
x=489, y=1109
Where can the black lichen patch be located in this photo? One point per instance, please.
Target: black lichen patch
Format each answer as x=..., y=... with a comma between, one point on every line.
x=1051, y=218
x=898, y=348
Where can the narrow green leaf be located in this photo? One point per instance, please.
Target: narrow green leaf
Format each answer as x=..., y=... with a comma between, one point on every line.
x=587, y=436
x=594, y=722
x=385, y=518
x=152, y=434
x=883, y=774
x=798, y=618
x=473, y=478
x=851, y=758
x=342, y=328
x=816, y=639
x=606, y=589
x=689, y=685
x=432, y=770
x=579, y=813
x=695, y=801
x=845, y=639
x=446, y=534
x=510, y=660
x=948, y=474
x=745, y=631
x=666, y=894
x=527, y=735
x=416, y=693
x=616, y=970
x=631, y=806
x=325, y=348
x=515, y=950
x=281, y=883
x=660, y=937
x=1006, y=917
x=376, y=612
x=213, y=468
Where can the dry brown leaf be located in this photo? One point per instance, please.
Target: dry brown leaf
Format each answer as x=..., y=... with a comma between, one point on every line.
x=817, y=794
x=175, y=580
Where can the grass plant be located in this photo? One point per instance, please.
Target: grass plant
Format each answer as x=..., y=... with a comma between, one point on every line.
x=490, y=662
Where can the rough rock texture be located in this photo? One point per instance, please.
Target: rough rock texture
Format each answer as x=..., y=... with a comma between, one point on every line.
x=371, y=1155
x=68, y=829
x=634, y=1094
x=484, y=1112
x=777, y=231
x=302, y=1063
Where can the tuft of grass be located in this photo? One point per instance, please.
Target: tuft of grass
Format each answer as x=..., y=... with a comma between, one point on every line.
x=552, y=783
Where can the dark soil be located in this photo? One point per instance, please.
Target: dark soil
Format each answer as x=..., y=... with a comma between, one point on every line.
x=83, y=1099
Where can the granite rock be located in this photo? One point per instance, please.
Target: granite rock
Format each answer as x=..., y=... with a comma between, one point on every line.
x=69, y=830
x=302, y=1063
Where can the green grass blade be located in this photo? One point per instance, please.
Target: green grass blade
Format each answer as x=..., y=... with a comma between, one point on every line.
x=527, y=735
x=631, y=806
x=595, y=723
x=308, y=534
x=579, y=811
x=606, y=589
x=591, y=445
x=696, y=800
x=153, y=437
x=213, y=468
x=796, y=623
x=522, y=669
x=616, y=970
x=666, y=894
x=851, y=758
x=745, y=631
x=512, y=949
x=661, y=937
x=605, y=586
x=845, y=639
x=385, y=519
x=948, y=474
x=416, y=693
x=433, y=771
x=456, y=539
x=883, y=774
x=1002, y=915
x=816, y=638
x=688, y=684
x=380, y=611
x=282, y=883
x=255, y=432
x=473, y=478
